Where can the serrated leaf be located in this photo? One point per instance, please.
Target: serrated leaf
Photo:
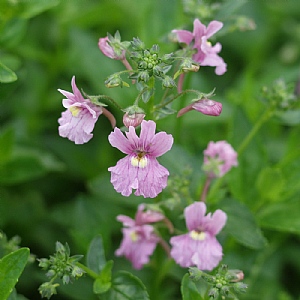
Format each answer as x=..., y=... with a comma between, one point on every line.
x=96, y=256
x=11, y=268
x=126, y=286
x=103, y=283
x=6, y=74
x=241, y=224
x=191, y=290
x=281, y=216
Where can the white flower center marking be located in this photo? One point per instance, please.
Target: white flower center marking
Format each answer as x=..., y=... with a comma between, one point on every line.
x=134, y=236
x=74, y=110
x=139, y=160
x=197, y=235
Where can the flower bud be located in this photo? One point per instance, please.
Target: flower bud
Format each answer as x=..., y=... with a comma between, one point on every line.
x=168, y=82
x=113, y=81
x=134, y=119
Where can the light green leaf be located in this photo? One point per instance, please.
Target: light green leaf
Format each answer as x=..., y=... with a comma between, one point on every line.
x=126, y=286
x=96, y=256
x=191, y=290
x=6, y=74
x=241, y=224
x=11, y=268
x=35, y=7
x=103, y=283
x=270, y=183
x=282, y=216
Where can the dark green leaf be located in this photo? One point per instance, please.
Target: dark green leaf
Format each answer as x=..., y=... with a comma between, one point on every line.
x=241, y=225
x=96, y=256
x=126, y=286
x=11, y=267
x=6, y=144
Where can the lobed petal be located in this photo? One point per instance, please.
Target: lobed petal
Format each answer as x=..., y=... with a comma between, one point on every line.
x=214, y=223
x=118, y=140
x=184, y=36
x=194, y=215
x=147, y=134
x=213, y=27
x=160, y=144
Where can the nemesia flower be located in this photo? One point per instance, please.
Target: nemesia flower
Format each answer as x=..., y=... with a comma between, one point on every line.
x=199, y=247
x=206, y=55
x=108, y=50
x=139, y=169
x=219, y=157
x=78, y=121
x=205, y=106
x=139, y=239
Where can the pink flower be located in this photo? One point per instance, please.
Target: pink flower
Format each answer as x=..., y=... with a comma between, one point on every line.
x=139, y=239
x=108, y=51
x=206, y=55
x=219, y=158
x=139, y=169
x=134, y=119
x=205, y=106
x=199, y=247
x=78, y=121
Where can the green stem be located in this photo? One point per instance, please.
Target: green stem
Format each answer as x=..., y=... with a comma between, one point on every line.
x=175, y=97
x=111, y=100
x=136, y=101
x=268, y=113
x=90, y=272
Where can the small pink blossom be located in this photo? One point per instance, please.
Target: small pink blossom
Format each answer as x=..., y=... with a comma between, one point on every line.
x=108, y=50
x=219, y=158
x=205, y=106
x=206, y=55
x=199, y=247
x=78, y=121
x=139, y=239
x=139, y=169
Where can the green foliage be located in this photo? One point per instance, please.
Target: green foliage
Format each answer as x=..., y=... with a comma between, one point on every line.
x=11, y=267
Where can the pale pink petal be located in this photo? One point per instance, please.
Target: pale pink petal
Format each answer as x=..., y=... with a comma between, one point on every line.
x=106, y=49
x=76, y=91
x=160, y=144
x=213, y=27
x=194, y=214
x=183, y=36
x=214, y=223
x=127, y=221
x=118, y=140
x=147, y=134
x=199, y=30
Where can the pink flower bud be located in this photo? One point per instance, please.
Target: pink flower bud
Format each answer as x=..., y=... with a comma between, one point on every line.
x=134, y=119
x=205, y=106
x=107, y=50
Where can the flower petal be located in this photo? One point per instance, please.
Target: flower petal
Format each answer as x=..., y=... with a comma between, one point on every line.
x=160, y=144
x=213, y=27
x=214, y=223
x=194, y=215
x=184, y=36
x=118, y=140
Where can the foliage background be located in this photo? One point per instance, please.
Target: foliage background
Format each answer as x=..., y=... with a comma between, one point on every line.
x=51, y=189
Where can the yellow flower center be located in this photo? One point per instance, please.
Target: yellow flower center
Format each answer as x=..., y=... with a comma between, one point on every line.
x=197, y=236
x=74, y=110
x=139, y=160
x=134, y=237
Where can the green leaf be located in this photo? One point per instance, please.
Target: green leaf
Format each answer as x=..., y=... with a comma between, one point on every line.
x=126, y=286
x=11, y=268
x=282, y=216
x=96, y=257
x=6, y=74
x=191, y=290
x=6, y=144
x=35, y=7
x=241, y=224
x=103, y=283
x=270, y=183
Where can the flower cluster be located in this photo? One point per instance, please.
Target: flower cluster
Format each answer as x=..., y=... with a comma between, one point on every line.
x=139, y=170
x=199, y=247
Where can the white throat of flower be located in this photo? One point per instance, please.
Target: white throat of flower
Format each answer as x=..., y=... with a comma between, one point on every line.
x=198, y=235
x=139, y=160
x=74, y=110
x=134, y=236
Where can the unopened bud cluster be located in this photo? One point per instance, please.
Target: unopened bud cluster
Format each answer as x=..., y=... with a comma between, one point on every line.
x=60, y=265
x=224, y=283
